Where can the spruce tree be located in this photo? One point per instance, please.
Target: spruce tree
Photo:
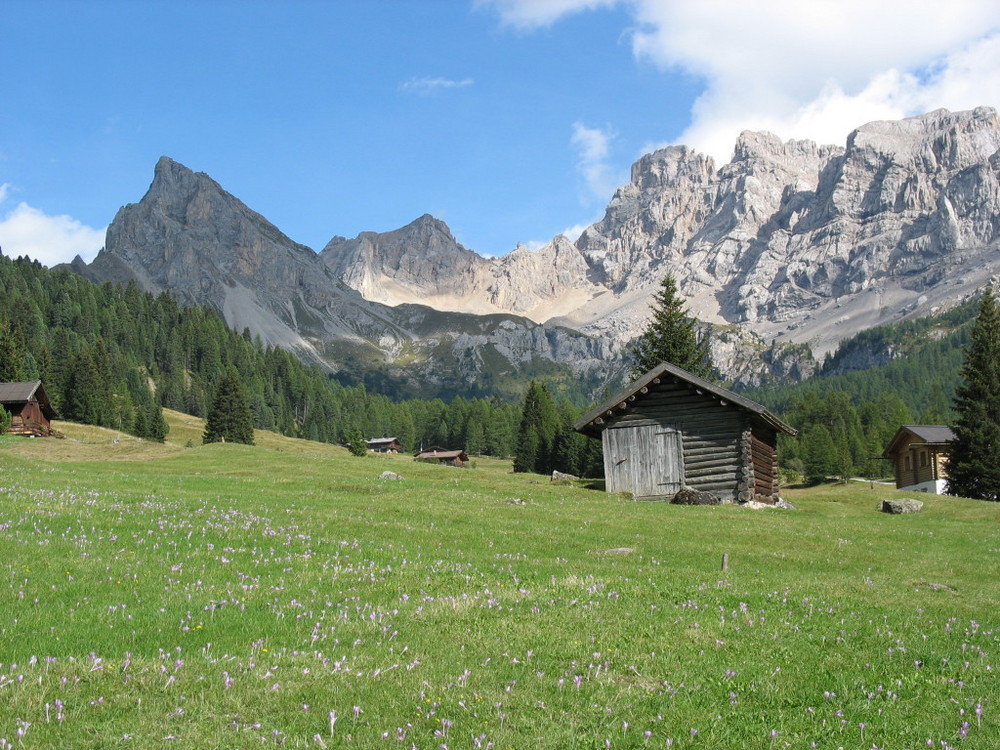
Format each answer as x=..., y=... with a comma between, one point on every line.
x=974, y=462
x=356, y=444
x=537, y=432
x=671, y=336
x=229, y=419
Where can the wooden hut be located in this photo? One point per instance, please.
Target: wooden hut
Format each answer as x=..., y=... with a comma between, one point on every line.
x=671, y=430
x=30, y=411
x=451, y=458
x=919, y=455
x=385, y=445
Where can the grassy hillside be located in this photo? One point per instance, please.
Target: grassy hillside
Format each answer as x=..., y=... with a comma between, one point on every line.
x=228, y=596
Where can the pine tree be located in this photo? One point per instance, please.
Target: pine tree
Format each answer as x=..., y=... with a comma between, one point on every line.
x=537, y=432
x=356, y=444
x=229, y=419
x=670, y=336
x=974, y=463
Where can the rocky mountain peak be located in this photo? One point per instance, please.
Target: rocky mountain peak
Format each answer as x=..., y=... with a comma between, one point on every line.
x=790, y=243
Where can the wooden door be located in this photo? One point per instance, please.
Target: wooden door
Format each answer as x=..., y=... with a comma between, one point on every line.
x=647, y=461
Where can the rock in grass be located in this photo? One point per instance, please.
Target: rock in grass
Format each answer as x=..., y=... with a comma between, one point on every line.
x=390, y=475
x=688, y=496
x=901, y=505
x=558, y=476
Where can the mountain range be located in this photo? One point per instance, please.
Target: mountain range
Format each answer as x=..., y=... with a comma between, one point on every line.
x=782, y=253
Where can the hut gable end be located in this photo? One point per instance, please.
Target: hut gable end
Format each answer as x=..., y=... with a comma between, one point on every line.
x=919, y=455
x=29, y=408
x=671, y=429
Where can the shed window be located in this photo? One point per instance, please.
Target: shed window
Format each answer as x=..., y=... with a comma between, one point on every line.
x=909, y=461
x=923, y=459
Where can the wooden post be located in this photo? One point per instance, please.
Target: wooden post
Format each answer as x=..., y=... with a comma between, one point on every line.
x=725, y=562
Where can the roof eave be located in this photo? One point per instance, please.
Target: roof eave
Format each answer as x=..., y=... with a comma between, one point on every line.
x=590, y=423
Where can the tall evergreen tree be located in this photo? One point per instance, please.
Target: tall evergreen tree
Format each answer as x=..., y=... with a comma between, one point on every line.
x=974, y=463
x=671, y=336
x=537, y=432
x=229, y=419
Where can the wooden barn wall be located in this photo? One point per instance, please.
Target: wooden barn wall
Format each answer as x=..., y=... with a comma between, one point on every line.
x=28, y=419
x=764, y=452
x=711, y=434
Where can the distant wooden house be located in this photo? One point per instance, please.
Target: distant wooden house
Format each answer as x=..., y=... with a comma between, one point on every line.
x=671, y=430
x=29, y=407
x=385, y=445
x=451, y=458
x=919, y=455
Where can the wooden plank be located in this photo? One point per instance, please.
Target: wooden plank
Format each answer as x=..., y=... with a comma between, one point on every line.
x=722, y=464
x=712, y=472
x=725, y=489
x=673, y=414
x=716, y=450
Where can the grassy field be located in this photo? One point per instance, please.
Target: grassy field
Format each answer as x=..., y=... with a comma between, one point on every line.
x=225, y=596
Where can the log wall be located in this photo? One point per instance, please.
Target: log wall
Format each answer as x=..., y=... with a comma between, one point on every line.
x=711, y=435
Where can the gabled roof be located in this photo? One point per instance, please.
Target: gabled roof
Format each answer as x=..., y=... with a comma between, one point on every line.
x=22, y=393
x=925, y=434
x=592, y=422
x=382, y=440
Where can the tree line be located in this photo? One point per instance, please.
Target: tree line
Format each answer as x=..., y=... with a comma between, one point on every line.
x=846, y=418
x=112, y=355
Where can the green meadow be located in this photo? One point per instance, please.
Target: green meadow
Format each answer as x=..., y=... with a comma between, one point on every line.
x=284, y=595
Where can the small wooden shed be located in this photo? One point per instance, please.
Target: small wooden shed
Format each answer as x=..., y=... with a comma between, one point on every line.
x=385, y=445
x=671, y=430
x=451, y=458
x=919, y=455
x=30, y=411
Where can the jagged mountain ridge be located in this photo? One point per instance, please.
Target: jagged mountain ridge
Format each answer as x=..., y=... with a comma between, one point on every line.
x=190, y=237
x=792, y=243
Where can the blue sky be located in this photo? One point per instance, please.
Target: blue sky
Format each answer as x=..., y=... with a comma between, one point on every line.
x=511, y=120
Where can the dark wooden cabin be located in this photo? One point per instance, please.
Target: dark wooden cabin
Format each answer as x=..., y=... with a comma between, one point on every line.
x=385, y=445
x=919, y=455
x=451, y=458
x=671, y=430
x=29, y=407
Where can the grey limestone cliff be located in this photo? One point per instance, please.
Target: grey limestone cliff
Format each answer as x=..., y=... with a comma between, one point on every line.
x=791, y=246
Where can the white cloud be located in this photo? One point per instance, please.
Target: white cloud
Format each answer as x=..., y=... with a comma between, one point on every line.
x=428, y=85
x=806, y=69
x=573, y=233
x=593, y=160
x=48, y=239
x=4, y=191
x=529, y=14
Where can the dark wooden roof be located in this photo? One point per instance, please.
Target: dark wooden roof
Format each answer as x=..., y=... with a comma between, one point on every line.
x=443, y=454
x=925, y=434
x=22, y=393
x=594, y=421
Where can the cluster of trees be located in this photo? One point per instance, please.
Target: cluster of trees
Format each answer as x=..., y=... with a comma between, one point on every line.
x=547, y=442
x=840, y=438
x=112, y=355
x=846, y=418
